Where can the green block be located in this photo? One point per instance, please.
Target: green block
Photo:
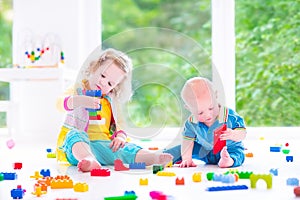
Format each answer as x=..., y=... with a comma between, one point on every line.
x=210, y=176
x=126, y=197
x=1, y=177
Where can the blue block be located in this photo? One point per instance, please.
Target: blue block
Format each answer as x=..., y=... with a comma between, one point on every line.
x=274, y=172
x=289, y=158
x=137, y=165
x=223, y=188
x=45, y=173
x=93, y=93
x=17, y=193
x=275, y=149
x=292, y=181
x=9, y=176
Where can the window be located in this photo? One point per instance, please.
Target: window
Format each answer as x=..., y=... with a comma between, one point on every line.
x=5, y=52
x=268, y=62
x=167, y=44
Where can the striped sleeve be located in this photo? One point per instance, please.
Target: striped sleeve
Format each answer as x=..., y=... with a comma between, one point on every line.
x=188, y=132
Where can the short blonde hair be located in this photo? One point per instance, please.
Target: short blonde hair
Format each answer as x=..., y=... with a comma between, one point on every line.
x=203, y=86
x=123, y=91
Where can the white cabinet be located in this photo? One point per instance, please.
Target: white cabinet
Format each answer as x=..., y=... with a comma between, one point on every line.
x=31, y=110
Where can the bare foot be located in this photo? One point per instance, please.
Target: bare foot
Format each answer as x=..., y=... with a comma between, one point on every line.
x=226, y=160
x=87, y=164
x=163, y=159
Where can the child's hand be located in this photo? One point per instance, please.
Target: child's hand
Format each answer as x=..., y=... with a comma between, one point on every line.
x=235, y=135
x=86, y=101
x=116, y=143
x=187, y=163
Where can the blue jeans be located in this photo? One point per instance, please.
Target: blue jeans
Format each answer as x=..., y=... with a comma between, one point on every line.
x=207, y=156
x=100, y=149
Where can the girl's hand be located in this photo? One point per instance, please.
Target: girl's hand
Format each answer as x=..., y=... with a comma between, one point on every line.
x=234, y=135
x=116, y=143
x=187, y=163
x=86, y=102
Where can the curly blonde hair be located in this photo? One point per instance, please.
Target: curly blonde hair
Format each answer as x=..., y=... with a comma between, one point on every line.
x=123, y=91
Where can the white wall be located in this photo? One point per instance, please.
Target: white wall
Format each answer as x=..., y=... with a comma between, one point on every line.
x=77, y=24
x=75, y=27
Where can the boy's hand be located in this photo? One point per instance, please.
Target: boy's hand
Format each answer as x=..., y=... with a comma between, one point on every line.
x=187, y=163
x=235, y=135
x=116, y=143
x=86, y=101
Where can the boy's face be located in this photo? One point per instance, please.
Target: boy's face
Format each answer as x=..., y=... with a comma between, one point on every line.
x=204, y=107
x=107, y=77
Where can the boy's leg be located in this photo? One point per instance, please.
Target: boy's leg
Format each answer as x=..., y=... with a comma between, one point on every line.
x=236, y=153
x=225, y=160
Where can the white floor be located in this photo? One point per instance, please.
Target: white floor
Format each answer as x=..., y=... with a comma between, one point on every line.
x=33, y=156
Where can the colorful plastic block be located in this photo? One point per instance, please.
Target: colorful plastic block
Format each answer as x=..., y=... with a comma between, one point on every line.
x=46, y=180
x=100, y=172
x=38, y=192
x=17, y=165
x=153, y=148
x=165, y=173
x=1, y=176
x=297, y=191
x=129, y=192
x=249, y=155
x=61, y=182
x=45, y=172
x=244, y=175
x=157, y=195
x=170, y=164
x=9, y=176
x=210, y=176
x=157, y=167
x=10, y=143
x=224, y=188
x=51, y=155
x=43, y=186
x=229, y=178
x=266, y=177
x=144, y=181
x=141, y=165
x=93, y=93
x=219, y=144
x=275, y=149
x=81, y=187
x=17, y=193
x=285, y=151
x=292, y=181
x=289, y=158
x=125, y=197
x=119, y=166
x=197, y=177
x=274, y=171
x=36, y=175
x=179, y=181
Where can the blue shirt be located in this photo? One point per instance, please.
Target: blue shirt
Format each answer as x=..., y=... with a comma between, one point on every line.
x=202, y=134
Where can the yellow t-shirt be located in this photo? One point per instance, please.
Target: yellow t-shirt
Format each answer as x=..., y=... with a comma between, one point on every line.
x=101, y=131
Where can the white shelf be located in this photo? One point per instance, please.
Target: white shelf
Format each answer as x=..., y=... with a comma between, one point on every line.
x=16, y=74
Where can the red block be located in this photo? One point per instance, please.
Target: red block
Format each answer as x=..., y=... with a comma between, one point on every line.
x=17, y=165
x=219, y=144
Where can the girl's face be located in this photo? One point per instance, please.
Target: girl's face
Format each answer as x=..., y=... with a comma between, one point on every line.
x=107, y=79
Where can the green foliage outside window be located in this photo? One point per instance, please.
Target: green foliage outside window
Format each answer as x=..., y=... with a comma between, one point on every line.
x=267, y=56
x=5, y=50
